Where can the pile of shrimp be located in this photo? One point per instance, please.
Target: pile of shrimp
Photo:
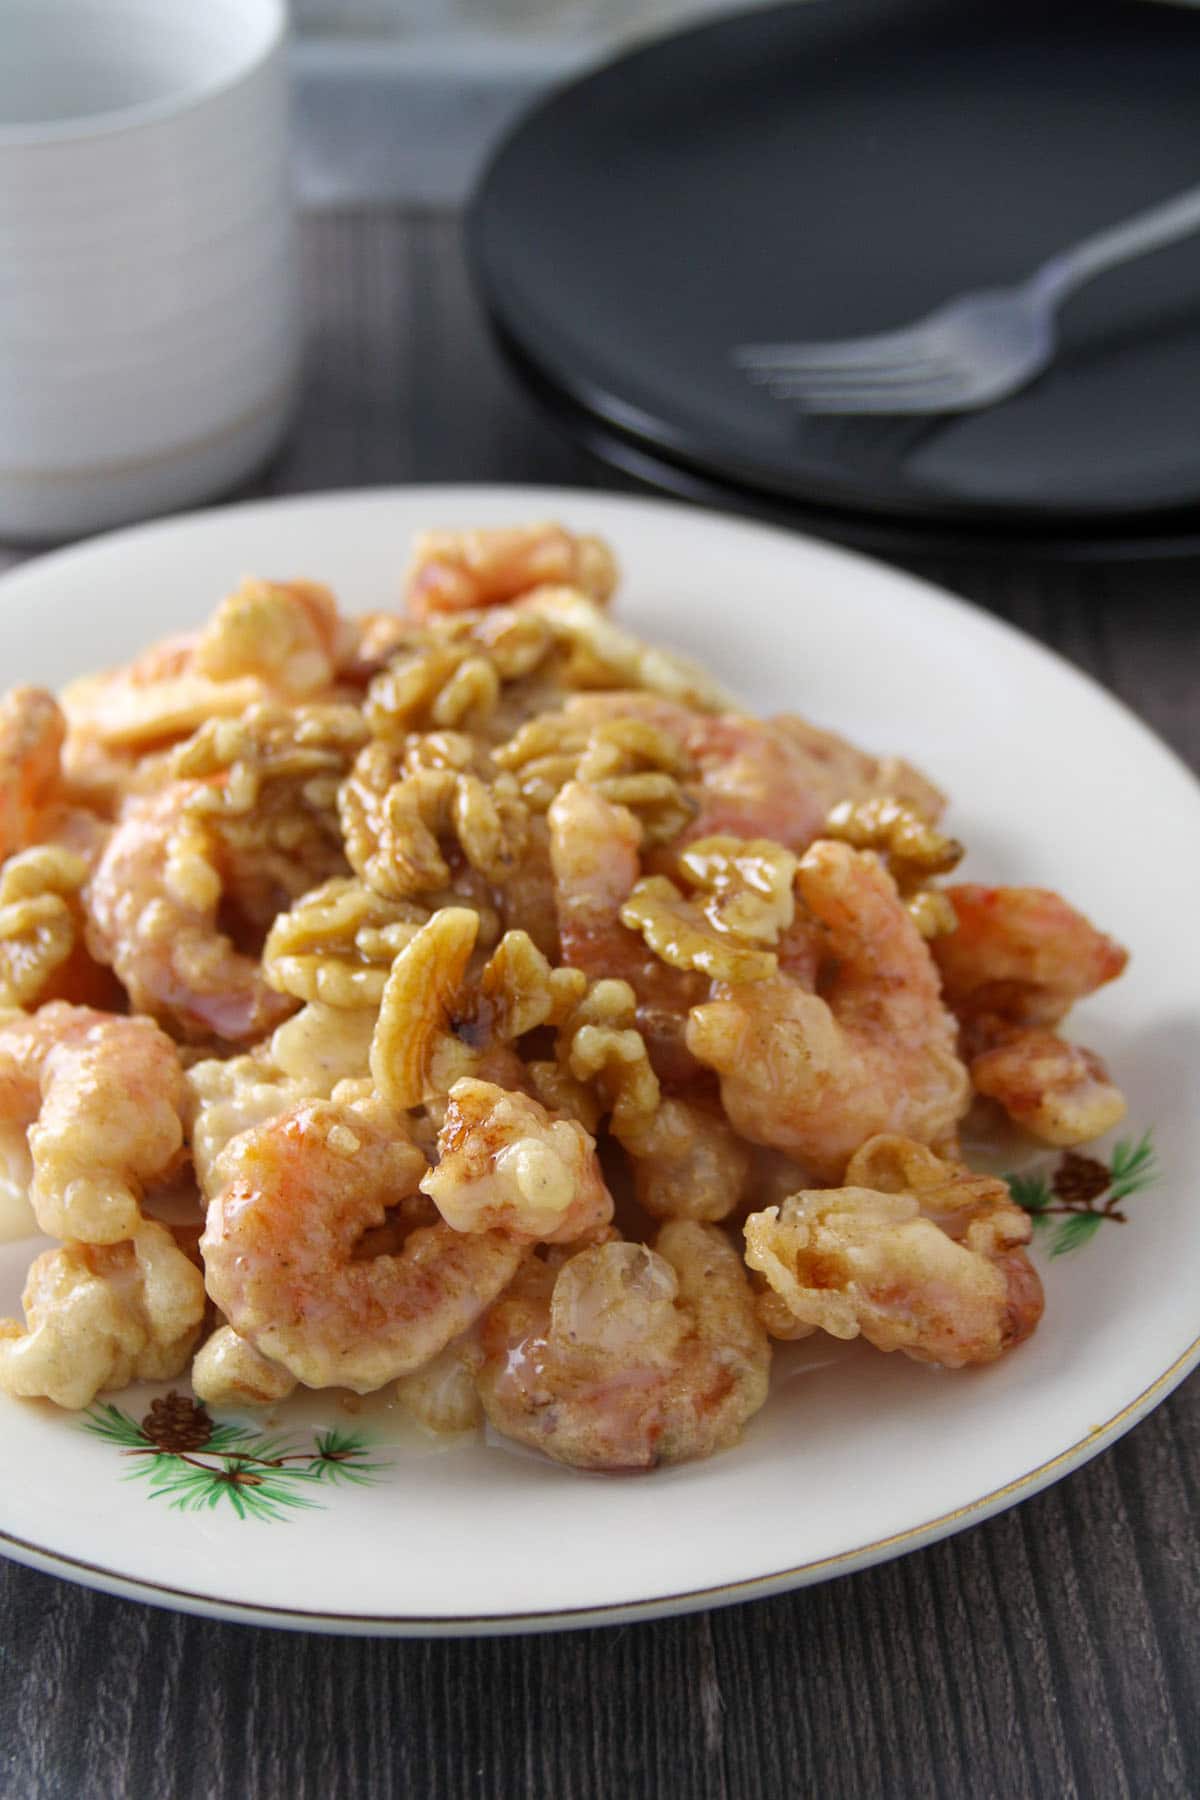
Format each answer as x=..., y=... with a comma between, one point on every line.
x=471, y=1002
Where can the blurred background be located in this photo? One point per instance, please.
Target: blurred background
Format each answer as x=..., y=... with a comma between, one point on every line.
x=439, y=80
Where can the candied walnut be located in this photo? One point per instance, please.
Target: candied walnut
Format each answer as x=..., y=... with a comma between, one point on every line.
x=459, y=571
x=435, y=1026
x=394, y=828
x=476, y=671
x=684, y=939
x=338, y=943
x=749, y=884
x=930, y=1262
x=101, y=1316
x=912, y=848
x=601, y=1046
x=518, y=989
x=505, y=1164
x=228, y=1371
x=688, y=1163
x=455, y=750
x=629, y=762
x=286, y=633
x=1059, y=1092
x=32, y=730
x=265, y=788
x=40, y=927
x=560, y=1092
x=416, y=1055
x=435, y=684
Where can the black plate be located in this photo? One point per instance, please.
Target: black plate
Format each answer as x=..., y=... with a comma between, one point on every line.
x=842, y=166
x=1170, y=538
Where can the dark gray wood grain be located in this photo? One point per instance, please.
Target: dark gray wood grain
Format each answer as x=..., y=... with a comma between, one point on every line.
x=1052, y=1651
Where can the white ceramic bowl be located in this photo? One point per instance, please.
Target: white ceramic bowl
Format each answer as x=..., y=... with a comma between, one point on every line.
x=148, y=308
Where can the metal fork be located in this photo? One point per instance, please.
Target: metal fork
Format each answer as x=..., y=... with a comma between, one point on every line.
x=970, y=352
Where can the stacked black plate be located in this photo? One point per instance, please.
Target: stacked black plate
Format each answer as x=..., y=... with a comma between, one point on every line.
x=842, y=166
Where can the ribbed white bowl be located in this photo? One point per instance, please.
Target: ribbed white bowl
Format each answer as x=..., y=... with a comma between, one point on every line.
x=148, y=316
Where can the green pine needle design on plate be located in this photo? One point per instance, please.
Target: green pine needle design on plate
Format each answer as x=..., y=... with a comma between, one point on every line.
x=194, y=1462
x=1084, y=1192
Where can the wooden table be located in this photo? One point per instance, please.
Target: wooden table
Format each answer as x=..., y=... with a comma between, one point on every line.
x=1052, y=1651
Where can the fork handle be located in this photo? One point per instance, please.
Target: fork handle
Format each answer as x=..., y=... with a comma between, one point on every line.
x=1158, y=225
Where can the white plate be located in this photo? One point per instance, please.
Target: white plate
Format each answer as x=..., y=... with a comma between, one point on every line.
x=857, y=1456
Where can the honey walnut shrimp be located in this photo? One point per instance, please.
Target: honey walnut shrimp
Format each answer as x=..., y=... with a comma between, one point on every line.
x=468, y=922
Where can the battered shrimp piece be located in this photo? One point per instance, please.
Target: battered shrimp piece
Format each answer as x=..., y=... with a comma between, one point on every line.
x=101, y=1316
x=689, y=1163
x=442, y=1395
x=505, y=1163
x=1020, y=956
x=280, y=1241
x=1059, y=1092
x=288, y=634
x=103, y=1099
x=814, y=1074
x=1018, y=961
x=458, y=571
x=629, y=1356
x=152, y=914
x=226, y=1096
x=154, y=700
x=32, y=730
x=594, y=857
x=227, y=1371
x=931, y=1262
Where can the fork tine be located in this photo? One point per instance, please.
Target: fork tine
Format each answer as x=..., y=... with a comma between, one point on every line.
x=926, y=398
x=852, y=381
x=885, y=347
x=927, y=394
x=857, y=374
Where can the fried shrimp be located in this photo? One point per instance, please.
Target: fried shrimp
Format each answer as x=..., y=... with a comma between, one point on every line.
x=505, y=1163
x=928, y=1259
x=227, y=1371
x=32, y=730
x=1018, y=961
x=152, y=909
x=1020, y=956
x=445, y=989
x=814, y=1074
x=102, y=1098
x=458, y=571
x=628, y=1356
x=1059, y=1092
x=279, y=1251
x=101, y=1316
